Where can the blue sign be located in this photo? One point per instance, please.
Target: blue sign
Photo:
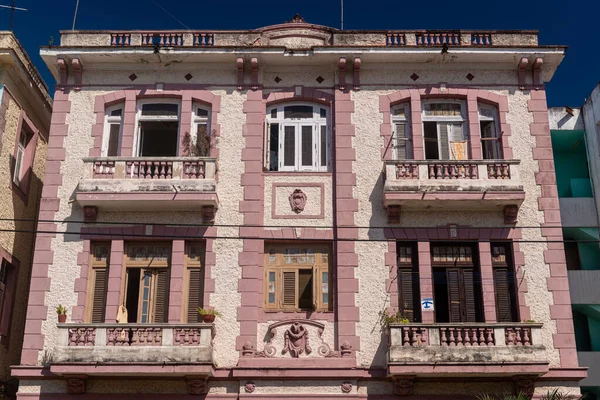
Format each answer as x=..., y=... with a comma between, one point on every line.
x=427, y=304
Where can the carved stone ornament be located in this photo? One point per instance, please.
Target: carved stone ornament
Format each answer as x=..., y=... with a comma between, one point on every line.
x=248, y=350
x=197, y=386
x=525, y=385
x=90, y=213
x=403, y=387
x=250, y=387
x=296, y=341
x=297, y=19
x=346, y=387
x=298, y=201
x=393, y=214
x=510, y=214
x=208, y=214
x=76, y=386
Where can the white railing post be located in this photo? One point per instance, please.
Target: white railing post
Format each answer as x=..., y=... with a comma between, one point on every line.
x=167, y=337
x=390, y=171
x=423, y=172
x=396, y=336
x=178, y=170
x=63, y=336
x=205, y=337
x=434, y=336
x=120, y=169
x=536, y=335
x=210, y=169
x=482, y=171
x=500, y=336
x=100, y=337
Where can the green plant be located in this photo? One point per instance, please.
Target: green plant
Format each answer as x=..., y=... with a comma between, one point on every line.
x=60, y=310
x=503, y=396
x=208, y=311
x=394, y=318
x=558, y=395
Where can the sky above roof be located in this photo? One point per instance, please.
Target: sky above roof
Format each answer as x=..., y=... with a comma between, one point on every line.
x=560, y=23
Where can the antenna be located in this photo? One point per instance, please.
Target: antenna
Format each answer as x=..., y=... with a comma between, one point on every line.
x=12, y=12
x=342, y=12
x=75, y=16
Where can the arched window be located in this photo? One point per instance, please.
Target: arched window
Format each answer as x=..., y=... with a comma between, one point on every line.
x=444, y=130
x=113, y=128
x=297, y=138
x=158, y=133
x=490, y=134
x=401, y=133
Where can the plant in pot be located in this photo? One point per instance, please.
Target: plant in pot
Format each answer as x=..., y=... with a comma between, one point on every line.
x=62, y=314
x=208, y=314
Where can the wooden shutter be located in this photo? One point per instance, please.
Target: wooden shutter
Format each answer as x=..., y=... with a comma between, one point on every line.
x=195, y=295
x=289, y=298
x=443, y=139
x=405, y=300
x=470, y=310
x=502, y=287
x=454, y=303
x=99, y=296
x=113, y=139
x=267, y=146
x=400, y=141
x=161, y=296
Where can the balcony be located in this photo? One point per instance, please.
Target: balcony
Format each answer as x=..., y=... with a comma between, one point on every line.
x=148, y=184
x=453, y=184
x=133, y=349
x=474, y=349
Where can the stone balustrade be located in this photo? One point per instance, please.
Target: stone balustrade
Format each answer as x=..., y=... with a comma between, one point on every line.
x=149, y=168
x=135, y=343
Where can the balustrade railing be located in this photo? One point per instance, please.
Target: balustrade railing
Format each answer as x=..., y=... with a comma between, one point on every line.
x=157, y=168
x=162, y=39
x=120, y=39
x=438, y=39
x=465, y=336
x=395, y=39
x=498, y=170
x=464, y=170
x=434, y=170
x=150, y=169
x=407, y=171
x=481, y=39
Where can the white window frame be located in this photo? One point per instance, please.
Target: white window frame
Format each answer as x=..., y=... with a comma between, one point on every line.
x=495, y=118
x=449, y=119
x=197, y=119
x=112, y=120
x=316, y=122
x=396, y=119
x=141, y=118
x=19, y=161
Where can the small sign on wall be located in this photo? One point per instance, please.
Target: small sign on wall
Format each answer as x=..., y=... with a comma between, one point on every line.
x=427, y=304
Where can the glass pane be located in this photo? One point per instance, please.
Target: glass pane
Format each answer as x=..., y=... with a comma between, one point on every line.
x=200, y=112
x=443, y=109
x=488, y=129
x=399, y=112
x=274, y=148
x=297, y=112
x=305, y=289
x=271, y=288
x=307, y=145
x=113, y=140
x=431, y=141
x=146, y=297
x=203, y=140
x=162, y=109
x=325, y=287
x=159, y=138
x=116, y=113
x=274, y=113
x=323, y=148
x=289, y=146
x=323, y=113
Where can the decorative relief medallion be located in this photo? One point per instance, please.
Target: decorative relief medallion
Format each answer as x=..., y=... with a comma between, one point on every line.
x=250, y=387
x=346, y=387
x=403, y=387
x=298, y=201
x=296, y=341
x=197, y=386
x=76, y=386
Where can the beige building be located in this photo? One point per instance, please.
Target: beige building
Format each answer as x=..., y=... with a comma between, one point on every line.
x=25, y=111
x=373, y=213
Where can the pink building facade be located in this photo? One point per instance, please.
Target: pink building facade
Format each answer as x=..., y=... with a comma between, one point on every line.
x=373, y=214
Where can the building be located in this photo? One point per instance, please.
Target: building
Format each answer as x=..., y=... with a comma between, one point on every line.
x=577, y=159
x=307, y=183
x=25, y=111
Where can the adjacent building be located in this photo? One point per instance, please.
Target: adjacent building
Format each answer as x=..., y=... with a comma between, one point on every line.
x=373, y=213
x=25, y=111
x=576, y=150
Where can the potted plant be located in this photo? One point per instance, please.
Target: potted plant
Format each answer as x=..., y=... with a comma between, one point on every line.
x=208, y=314
x=62, y=314
x=394, y=318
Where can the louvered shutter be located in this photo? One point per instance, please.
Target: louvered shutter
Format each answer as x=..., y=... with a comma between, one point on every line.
x=289, y=289
x=444, y=148
x=161, y=296
x=113, y=140
x=99, y=296
x=502, y=287
x=267, y=146
x=470, y=311
x=406, y=303
x=454, y=303
x=400, y=141
x=195, y=295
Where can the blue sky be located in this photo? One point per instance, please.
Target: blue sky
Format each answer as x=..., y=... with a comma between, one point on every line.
x=559, y=23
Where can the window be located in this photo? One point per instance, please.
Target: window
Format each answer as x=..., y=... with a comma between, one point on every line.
x=504, y=282
x=158, y=124
x=97, y=283
x=457, y=283
x=3, y=282
x=401, y=133
x=297, y=278
x=444, y=130
x=408, y=281
x=194, y=261
x=297, y=138
x=111, y=142
x=490, y=137
x=7, y=286
x=146, y=292
x=22, y=164
x=203, y=136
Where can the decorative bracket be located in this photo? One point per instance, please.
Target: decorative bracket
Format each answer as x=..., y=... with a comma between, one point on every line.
x=403, y=386
x=250, y=387
x=537, y=67
x=522, y=66
x=76, y=384
x=393, y=214
x=511, y=213
x=356, y=78
x=63, y=71
x=342, y=77
x=254, y=78
x=208, y=214
x=240, y=72
x=77, y=72
x=298, y=201
x=525, y=385
x=197, y=385
x=90, y=214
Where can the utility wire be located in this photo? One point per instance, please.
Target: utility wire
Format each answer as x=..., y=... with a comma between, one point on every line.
x=171, y=15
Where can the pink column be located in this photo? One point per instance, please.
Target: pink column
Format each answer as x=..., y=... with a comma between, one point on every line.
x=474, y=129
x=115, y=273
x=186, y=120
x=425, y=278
x=129, y=127
x=176, y=283
x=416, y=125
x=487, y=282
